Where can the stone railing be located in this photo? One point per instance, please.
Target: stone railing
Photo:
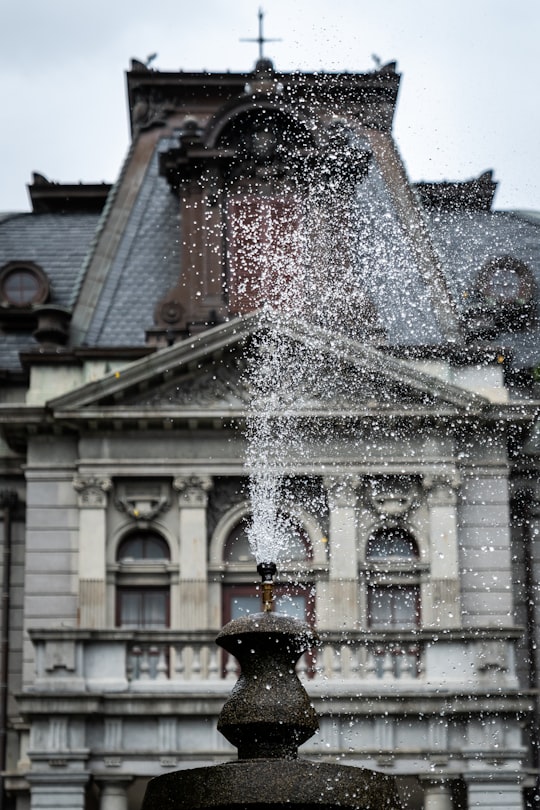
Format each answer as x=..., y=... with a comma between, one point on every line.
x=119, y=660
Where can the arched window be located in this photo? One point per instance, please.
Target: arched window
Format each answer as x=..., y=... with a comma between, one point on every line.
x=143, y=546
x=240, y=598
x=393, y=590
x=237, y=548
x=143, y=593
x=391, y=544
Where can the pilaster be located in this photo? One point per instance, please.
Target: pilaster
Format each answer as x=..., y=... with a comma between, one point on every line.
x=193, y=581
x=338, y=606
x=441, y=594
x=92, y=502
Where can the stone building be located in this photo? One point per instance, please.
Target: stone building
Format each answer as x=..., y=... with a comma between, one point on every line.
x=127, y=313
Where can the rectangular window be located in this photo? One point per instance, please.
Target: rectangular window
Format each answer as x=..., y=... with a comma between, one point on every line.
x=394, y=607
x=292, y=600
x=259, y=227
x=142, y=608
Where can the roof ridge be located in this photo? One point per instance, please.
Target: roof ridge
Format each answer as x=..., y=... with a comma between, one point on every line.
x=111, y=197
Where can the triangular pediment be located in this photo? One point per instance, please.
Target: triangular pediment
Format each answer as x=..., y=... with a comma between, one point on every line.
x=206, y=375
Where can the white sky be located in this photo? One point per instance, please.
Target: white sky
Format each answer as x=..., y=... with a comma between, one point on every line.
x=469, y=97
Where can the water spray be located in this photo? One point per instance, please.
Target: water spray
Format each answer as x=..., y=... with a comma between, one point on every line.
x=267, y=570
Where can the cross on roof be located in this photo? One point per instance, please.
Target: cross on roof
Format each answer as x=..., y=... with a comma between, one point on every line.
x=261, y=39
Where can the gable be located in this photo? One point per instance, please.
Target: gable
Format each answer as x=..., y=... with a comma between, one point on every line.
x=206, y=376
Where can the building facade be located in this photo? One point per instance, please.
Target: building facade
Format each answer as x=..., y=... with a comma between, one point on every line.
x=129, y=317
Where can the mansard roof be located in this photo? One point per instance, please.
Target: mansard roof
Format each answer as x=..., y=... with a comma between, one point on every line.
x=112, y=272
x=55, y=242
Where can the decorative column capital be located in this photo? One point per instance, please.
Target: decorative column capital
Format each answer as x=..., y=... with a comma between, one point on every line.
x=342, y=490
x=193, y=490
x=441, y=489
x=92, y=491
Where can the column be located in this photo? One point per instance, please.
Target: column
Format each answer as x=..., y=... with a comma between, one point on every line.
x=494, y=791
x=193, y=581
x=440, y=595
x=92, y=503
x=113, y=792
x=338, y=606
x=437, y=793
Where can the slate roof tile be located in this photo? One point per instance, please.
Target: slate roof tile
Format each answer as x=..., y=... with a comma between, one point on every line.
x=57, y=243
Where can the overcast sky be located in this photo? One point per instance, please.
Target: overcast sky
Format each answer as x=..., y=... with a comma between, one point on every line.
x=469, y=97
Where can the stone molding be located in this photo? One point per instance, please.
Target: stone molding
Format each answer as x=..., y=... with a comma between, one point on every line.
x=141, y=508
x=193, y=490
x=441, y=490
x=342, y=490
x=92, y=491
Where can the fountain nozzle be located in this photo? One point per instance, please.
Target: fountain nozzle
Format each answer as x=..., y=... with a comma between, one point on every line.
x=267, y=570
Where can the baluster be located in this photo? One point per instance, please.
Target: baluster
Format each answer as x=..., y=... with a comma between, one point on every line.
x=131, y=663
x=302, y=667
x=135, y=663
x=179, y=664
x=162, y=669
x=354, y=662
x=337, y=664
x=317, y=663
x=388, y=664
x=144, y=666
x=373, y=665
x=230, y=668
x=196, y=664
x=213, y=665
x=400, y=662
x=419, y=661
x=410, y=661
x=153, y=662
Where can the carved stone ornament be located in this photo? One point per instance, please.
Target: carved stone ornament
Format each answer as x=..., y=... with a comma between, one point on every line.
x=193, y=489
x=92, y=491
x=169, y=311
x=342, y=491
x=141, y=507
x=441, y=489
x=392, y=498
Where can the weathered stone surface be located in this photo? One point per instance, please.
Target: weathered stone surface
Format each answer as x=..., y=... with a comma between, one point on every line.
x=267, y=716
x=269, y=713
x=274, y=784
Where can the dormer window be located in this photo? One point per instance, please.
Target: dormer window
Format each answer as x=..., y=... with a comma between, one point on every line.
x=506, y=281
x=22, y=285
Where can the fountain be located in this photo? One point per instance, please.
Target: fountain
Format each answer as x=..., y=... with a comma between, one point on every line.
x=267, y=716
x=302, y=277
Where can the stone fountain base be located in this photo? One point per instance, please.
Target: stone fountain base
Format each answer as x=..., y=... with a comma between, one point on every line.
x=268, y=715
x=274, y=784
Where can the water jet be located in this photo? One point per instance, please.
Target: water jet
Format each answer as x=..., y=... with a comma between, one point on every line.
x=267, y=716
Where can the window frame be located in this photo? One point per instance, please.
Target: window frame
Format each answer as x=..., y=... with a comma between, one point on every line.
x=394, y=588
x=41, y=294
x=143, y=591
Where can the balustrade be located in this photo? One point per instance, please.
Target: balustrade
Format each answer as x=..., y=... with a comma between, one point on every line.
x=116, y=660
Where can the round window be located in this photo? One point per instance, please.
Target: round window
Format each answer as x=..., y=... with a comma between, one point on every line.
x=22, y=285
x=506, y=281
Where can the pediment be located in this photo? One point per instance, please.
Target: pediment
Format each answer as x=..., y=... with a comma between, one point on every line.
x=207, y=376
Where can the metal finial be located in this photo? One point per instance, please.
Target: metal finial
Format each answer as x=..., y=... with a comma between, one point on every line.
x=267, y=570
x=261, y=39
